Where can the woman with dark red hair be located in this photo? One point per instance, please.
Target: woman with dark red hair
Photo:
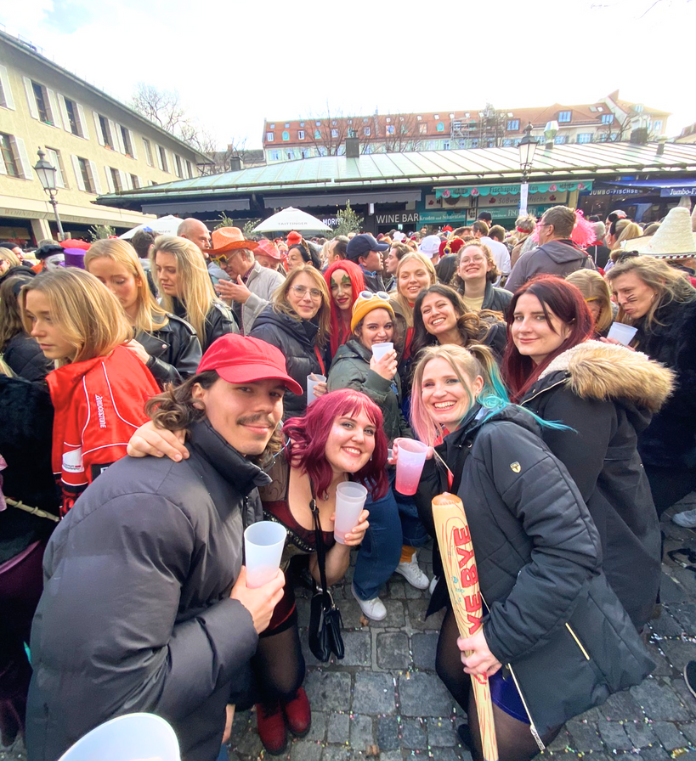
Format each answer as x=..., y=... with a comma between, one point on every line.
x=346, y=282
x=604, y=395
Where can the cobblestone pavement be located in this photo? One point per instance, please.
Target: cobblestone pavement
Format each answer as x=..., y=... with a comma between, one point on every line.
x=384, y=700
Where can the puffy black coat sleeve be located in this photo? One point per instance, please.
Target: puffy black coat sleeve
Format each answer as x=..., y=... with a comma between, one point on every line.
x=25, y=359
x=565, y=544
x=184, y=363
x=107, y=622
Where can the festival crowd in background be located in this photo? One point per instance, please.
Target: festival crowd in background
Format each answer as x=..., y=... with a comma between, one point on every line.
x=160, y=395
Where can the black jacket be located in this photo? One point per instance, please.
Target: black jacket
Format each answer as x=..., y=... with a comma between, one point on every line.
x=497, y=299
x=670, y=441
x=136, y=613
x=25, y=358
x=174, y=350
x=297, y=340
x=218, y=322
x=552, y=616
x=606, y=394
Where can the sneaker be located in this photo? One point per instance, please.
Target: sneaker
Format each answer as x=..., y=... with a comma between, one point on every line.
x=413, y=574
x=690, y=677
x=272, y=729
x=687, y=519
x=373, y=608
x=298, y=713
x=433, y=584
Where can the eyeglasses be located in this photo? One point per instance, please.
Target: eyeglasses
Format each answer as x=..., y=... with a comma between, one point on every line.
x=473, y=260
x=367, y=295
x=301, y=291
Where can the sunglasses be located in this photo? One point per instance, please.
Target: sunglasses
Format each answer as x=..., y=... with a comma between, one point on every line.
x=367, y=295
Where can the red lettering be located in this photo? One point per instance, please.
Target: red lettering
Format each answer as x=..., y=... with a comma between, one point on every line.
x=474, y=623
x=461, y=536
x=469, y=576
x=472, y=603
x=464, y=556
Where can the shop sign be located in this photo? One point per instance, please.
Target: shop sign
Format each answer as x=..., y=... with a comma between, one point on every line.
x=678, y=192
x=555, y=199
x=478, y=191
x=620, y=192
x=331, y=221
x=444, y=217
x=398, y=218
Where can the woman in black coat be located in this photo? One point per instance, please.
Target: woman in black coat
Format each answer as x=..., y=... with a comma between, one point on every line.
x=474, y=279
x=550, y=619
x=297, y=322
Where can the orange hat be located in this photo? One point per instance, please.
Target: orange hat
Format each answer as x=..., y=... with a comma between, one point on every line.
x=229, y=239
x=268, y=248
x=294, y=237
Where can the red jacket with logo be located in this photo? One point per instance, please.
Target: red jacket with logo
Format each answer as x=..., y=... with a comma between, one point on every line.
x=98, y=405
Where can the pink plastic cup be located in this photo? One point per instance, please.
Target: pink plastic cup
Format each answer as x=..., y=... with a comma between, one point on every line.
x=409, y=465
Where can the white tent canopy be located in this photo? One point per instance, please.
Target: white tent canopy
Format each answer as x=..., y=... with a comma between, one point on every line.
x=292, y=219
x=163, y=226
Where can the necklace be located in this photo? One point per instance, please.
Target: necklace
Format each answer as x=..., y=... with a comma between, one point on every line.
x=325, y=495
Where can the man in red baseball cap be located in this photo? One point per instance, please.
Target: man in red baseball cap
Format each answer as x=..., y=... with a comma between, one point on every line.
x=145, y=604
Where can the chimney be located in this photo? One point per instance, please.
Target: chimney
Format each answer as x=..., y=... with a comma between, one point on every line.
x=352, y=148
x=661, y=145
x=235, y=164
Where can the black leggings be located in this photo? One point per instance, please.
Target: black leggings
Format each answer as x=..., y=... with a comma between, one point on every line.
x=515, y=740
x=279, y=666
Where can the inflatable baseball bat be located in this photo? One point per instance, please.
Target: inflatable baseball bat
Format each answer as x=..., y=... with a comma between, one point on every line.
x=457, y=552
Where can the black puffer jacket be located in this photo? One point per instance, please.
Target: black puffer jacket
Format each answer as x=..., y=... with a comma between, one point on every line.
x=297, y=340
x=218, y=322
x=136, y=613
x=552, y=616
x=606, y=394
x=670, y=441
x=175, y=351
x=25, y=358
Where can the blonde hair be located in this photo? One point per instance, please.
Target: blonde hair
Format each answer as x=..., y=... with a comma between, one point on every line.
x=282, y=306
x=401, y=300
x=10, y=257
x=670, y=284
x=83, y=309
x=150, y=315
x=626, y=230
x=594, y=288
x=196, y=288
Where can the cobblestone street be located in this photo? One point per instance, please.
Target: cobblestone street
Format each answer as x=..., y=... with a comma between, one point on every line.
x=384, y=700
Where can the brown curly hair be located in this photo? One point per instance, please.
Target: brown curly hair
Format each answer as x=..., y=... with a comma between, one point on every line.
x=491, y=276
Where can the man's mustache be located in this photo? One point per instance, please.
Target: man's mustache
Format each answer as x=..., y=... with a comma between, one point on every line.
x=257, y=419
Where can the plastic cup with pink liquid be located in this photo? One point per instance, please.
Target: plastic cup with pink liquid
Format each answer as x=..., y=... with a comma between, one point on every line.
x=409, y=465
x=263, y=548
x=350, y=501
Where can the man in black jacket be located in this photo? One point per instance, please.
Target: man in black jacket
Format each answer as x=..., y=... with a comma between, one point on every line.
x=145, y=605
x=367, y=253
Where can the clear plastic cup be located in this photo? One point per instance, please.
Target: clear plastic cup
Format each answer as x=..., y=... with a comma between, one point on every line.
x=263, y=548
x=379, y=350
x=311, y=383
x=622, y=333
x=350, y=501
x=409, y=465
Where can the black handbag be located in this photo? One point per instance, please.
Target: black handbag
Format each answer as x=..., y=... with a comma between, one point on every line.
x=325, y=621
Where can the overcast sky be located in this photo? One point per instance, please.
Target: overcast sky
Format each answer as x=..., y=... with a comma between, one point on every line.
x=235, y=62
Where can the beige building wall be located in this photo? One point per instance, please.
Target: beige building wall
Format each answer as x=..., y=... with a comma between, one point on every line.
x=43, y=105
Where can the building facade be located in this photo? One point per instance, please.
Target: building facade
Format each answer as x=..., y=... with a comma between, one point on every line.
x=97, y=145
x=610, y=119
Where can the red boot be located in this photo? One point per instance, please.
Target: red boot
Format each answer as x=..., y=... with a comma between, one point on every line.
x=298, y=713
x=272, y=730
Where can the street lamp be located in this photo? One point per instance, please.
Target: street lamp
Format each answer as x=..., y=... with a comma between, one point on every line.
x=527, y=148
x=47, y=177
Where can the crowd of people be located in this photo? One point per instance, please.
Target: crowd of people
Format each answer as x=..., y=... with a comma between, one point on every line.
x=155, y=401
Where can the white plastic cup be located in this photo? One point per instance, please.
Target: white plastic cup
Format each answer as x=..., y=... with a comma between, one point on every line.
x=622, y=333
x=350, y=501
x=311, y=383
x=409, y=465
x=379, y=350
x=263, y=548
x=133, y=736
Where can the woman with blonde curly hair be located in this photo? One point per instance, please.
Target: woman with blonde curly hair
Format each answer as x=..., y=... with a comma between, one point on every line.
x=164, y=342
x=185, y=288
x=476, y=273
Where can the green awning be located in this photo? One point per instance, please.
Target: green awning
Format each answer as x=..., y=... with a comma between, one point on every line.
x=510, y=190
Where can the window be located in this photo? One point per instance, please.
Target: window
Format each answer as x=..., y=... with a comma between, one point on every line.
x=8, y=155
x=564, y=117
x=317, y=134
x=272, y=126
x=423, y=128
x=584, y=137
x=388, y=120
x=322, y=150
x=638, y=108
x=366, y=131
x=350, y=121
x=163, y=159
x=286, y=135
x=135, y=181
x=351, y=132
x=334, y=133
x=53, y=156
x=104, y=132
x=291, y=155
x=560, y=139
x=300, y=134
x=148, y=152
x=436, y=116
x=333, y=123
x=71, y=110
x=365, y=120
x=177, y=166
x=440, y=126
x=275, y=155
x=513, y=125
x=115, y=176
x=318, y=124
x=607, y=118
x=404, y=129
x=270, y=137
x=86, y=175
x=41, y=98
x=657, y=127
x=507, y=142
x=6, y=99
x=189, y=169
x=446, y=145
x=390, y=129
x=287, y=125
x=301, y=124
x=125, y=138
x=304, y=153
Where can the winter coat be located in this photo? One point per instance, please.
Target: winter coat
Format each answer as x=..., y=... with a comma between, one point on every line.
x=218, y=322
x=670, y=440
x=26, y=360
x=136, y=612
x=351, y=369
x=553, y=258
x=552, y=616
x=607, y=394
x=174, y=349
x=98, y=405
x=599, y=253
x=263, y=283
x=497, y=299
x=297, y=340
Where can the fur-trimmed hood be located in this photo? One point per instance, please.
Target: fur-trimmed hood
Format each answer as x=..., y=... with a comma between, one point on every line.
x=603, y=371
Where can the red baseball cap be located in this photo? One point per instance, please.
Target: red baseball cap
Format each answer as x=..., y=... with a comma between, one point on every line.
x=242, y=359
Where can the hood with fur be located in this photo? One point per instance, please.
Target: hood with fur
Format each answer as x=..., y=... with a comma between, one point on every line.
x=602, y=371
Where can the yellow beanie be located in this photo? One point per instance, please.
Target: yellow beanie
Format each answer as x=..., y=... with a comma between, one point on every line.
x=363, y=307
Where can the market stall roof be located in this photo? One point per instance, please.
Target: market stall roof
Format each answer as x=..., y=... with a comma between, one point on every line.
x=385, y=171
